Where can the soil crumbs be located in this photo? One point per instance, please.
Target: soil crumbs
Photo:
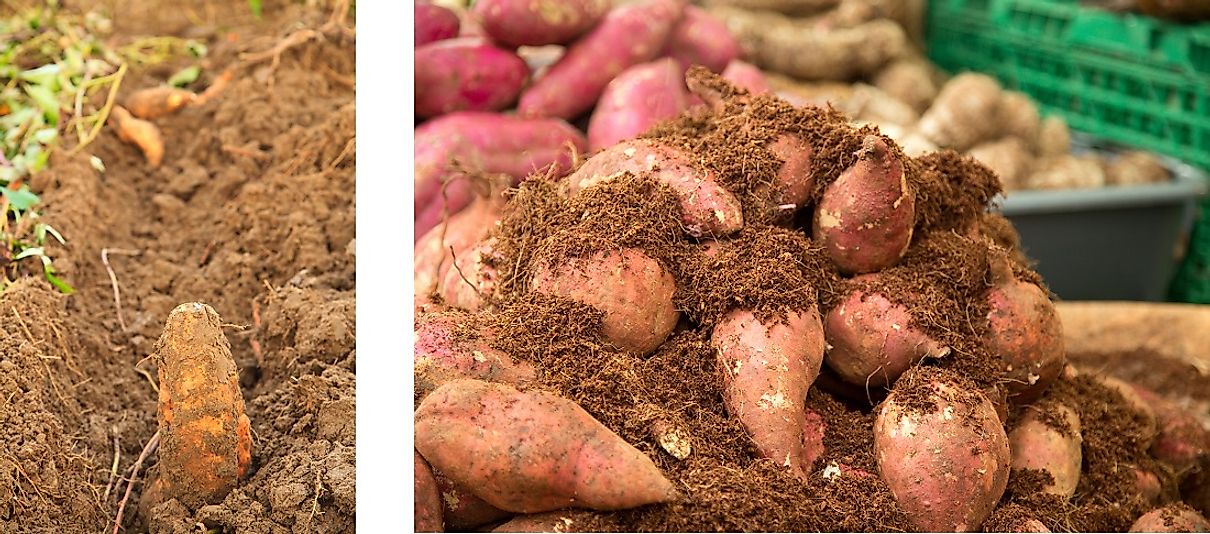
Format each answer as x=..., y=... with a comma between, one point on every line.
x=251, y=212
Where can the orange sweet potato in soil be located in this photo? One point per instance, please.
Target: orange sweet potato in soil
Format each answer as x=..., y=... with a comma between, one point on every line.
x=865, y=217
x=1035, y=444
x=154, y=102
x=531, y=452
x=205, y=437
x=767, y=367
x=941, y=449
x=427, y=498
x=1172, y=518
x=1025, y=333
x=140, y=133
x=632, y=289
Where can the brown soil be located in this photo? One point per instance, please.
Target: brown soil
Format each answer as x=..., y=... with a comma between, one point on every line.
x=252, y=213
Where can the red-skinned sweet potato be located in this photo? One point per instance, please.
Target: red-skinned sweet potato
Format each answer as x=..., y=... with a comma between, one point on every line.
x=768, y=366
x=632, y=289
x=484, y=142
x=428, y=498
x=1037, y=445
x=707, y=208
x=629, y=35
x=470, y=282
x=813, y=431
x=1181, y=441
x=435, y=251
x=434, y=23
x=1025, y=333
x=637, y=99
x=701, y=39
x=444, y=352
x=873, y=341
x=466, y=74
x=746, y=76
x=1172, y=518
x=538, y=22
x=461, y=509
x=531, y=452
x=947, y=464
x=560, y=521
x=865, y=217
x=795, y=179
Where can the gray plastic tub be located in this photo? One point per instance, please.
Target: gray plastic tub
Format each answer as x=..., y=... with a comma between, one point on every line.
x=1109, y=243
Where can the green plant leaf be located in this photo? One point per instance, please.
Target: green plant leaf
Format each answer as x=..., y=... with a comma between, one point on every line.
x=46, y=100
x=44, y=75
x=21, y=199
x=185, y=76
x=55, y=233
x=29, y=253
x=59, y=284
x=255, y=6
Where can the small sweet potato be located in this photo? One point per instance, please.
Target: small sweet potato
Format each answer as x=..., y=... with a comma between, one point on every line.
x=1177, y=517
x=865, y=217
x=795, y=179
x=872, y=340
x=434, y=23
x=470, y=282
x=436, y=250
x=637, y=99
x=143, y=134
x=701, y=39
x=1038, y=445
x=466, y=74
x=462, y=510
x=1182, y=442
x=964, y=112
x=427, y=497
x=155, y=102
x=538, y=22
x=1025, y=333
x=1130, y=396
x=445, y=351
x=631, y=34
x=632, y=289
x=707, y=208
x=531, y=452
x=942, y=451
x=746, y=76
x=1147, y=485
x=767, y=367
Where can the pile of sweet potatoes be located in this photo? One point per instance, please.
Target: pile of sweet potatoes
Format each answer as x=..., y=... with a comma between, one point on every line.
x=808, y=255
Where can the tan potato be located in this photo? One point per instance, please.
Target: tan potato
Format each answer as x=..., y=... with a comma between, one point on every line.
x=1037, y=445
x=964, y=112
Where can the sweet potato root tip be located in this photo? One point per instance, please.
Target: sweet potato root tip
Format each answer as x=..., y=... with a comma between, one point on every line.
x=140, y=133
x=205, y=436
x=154, y=102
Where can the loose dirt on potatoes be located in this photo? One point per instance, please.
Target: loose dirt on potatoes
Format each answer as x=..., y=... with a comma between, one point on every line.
x=252, y=213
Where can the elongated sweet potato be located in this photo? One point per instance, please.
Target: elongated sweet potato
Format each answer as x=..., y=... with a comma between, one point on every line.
x=427, y=498
x=768, y=366
x=143, y=134
x=707, y=208
x=1181, y=441
x=470, y=282
x=484, y=142
x=1177, y=517
x=1035, y=444
x=746, y=76
x=434, y=23
x=466, y=74
x=436, y=250
x=637, y=99
x=942, y=451
x=701, y=39
x=205, y=436
x=154, y=102
x=872, y=340
x=461, y=509
x=789, y=7
x=1025, y=333
x=532, y=452
x=538, y=22
x=865, y=217
x=450, y=346
x=632, y=289
x=629, y=35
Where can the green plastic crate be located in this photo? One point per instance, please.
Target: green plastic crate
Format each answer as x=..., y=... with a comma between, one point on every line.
x=1132, y=79
x=1192, y=281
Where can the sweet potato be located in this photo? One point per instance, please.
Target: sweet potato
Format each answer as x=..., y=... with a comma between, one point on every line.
x=706, y=207
x=427, y=498
x=813, y=431
x=946, y=461
x=138, y=132
x=1177, y=517
x=205, y=436
x=561, y=521
x=767, y=368
x=1147, y=485
x=795, y=179
x=532, y=452
x=701, y=39
x=964, y=112
x=470, y=282
x=436, y=250
x=865, y=217
x=632, y=289
x=1181, y=441
x=637, y=99
x=872, y=340
x=1037, y=445
x=484, y=142
x=789, y=7
x=746, y=76
x=1025, y=333
x=434, y=23
x=461, y=509
x=1130, y=396
x=155, y=102
x=909, y=81
x=631, y=34
x=445, y=351
x=466, y=74
x=538, y=22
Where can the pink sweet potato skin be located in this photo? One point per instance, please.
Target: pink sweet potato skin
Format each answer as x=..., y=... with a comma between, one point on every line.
x=794, y=180
x=634, y=101
x=1171, y=518
x=947, y=467
x=466, y=74
x=1035, y=445
x=433, y=257
x=702, y=39
x=434, y=23
x=747, y=76
x=632, y=289
x=1025, y=332
x=463, y=511
x=487, y=142
x=544, y=522
x=872, y=342
x=529, y=452
x=1182, y=442
x=631, y=34
x=442, y=354
x=538, y=22
x=812, y=439
x=428, y=498
x=767, y=369
x=865, y=217
x=707, y=209
x=471, y=282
